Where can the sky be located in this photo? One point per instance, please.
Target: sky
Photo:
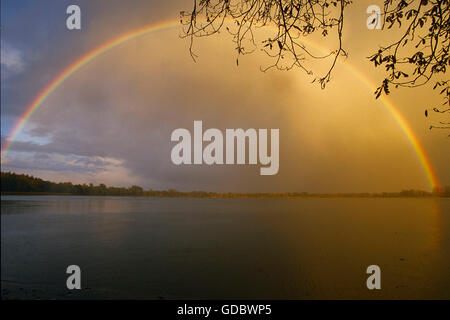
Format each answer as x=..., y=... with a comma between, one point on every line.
x=111, y=121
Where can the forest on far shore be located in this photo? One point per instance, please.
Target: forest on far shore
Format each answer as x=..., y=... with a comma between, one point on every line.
x=12, y=183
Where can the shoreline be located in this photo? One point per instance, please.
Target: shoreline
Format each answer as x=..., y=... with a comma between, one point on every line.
x=21, y=184
x=211, y=195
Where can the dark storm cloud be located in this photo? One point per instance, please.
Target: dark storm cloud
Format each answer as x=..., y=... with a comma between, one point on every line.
x=36, y=31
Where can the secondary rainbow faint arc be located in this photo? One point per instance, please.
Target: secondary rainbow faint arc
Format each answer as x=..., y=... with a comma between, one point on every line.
x=42, y=96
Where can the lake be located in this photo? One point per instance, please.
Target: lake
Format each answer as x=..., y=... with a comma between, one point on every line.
x=166, y=248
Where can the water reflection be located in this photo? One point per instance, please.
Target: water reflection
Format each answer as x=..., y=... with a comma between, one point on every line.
x=225, y=248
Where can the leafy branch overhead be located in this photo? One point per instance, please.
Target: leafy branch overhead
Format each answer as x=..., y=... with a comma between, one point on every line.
x=290, y=21
x=418, y=56
x=421, y=53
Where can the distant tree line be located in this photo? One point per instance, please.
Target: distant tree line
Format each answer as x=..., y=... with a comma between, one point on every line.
x=13, y=183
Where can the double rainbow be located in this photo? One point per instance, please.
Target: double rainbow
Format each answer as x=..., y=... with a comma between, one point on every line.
x=75, y=66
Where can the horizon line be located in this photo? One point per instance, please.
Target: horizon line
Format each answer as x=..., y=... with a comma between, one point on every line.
x=174, y=191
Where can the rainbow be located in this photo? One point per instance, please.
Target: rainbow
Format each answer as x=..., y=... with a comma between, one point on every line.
x=88, y=57
x=74, y=67
x=425, y=161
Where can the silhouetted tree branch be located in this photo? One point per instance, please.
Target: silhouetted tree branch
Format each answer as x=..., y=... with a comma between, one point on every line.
x=419, y=55
x=291, y=20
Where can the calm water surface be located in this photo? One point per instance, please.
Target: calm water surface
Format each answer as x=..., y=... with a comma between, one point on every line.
x=224, y=248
